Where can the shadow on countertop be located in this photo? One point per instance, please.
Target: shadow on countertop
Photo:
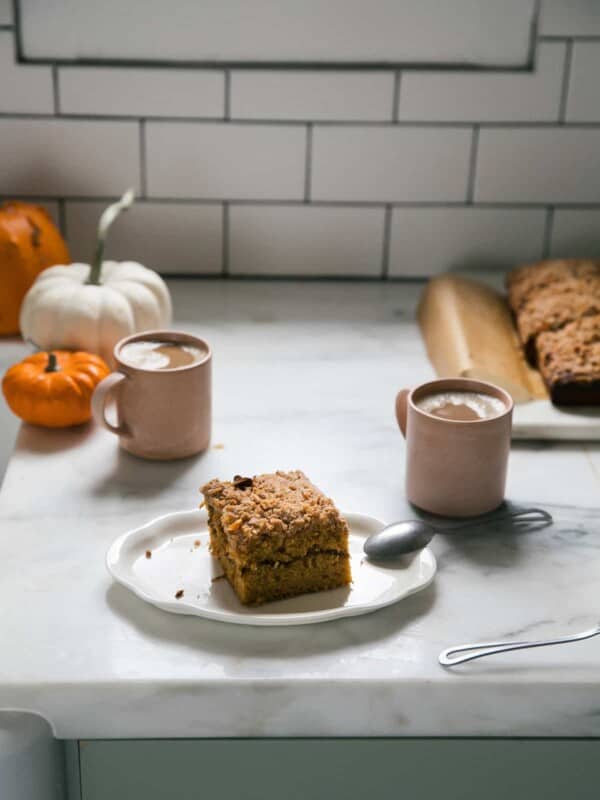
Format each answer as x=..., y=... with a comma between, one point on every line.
x=278, y=643
x=130, y=475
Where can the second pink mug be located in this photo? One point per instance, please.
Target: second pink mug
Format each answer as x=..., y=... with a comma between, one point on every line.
x=455, y=468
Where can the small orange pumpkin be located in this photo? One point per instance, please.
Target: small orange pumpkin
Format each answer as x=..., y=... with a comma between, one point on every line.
x=29, y=242
x=54, y=389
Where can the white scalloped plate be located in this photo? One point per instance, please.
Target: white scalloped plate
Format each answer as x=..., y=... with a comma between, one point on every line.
x=179, y=563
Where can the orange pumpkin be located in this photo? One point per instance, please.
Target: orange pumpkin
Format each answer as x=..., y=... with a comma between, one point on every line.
x=54, y=389
x=29, y=242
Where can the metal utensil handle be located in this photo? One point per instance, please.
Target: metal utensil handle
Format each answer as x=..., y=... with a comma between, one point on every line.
x=519, y=513
x=483, y=649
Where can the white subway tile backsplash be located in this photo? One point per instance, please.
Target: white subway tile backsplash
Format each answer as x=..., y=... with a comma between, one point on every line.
x=486, y=96
x=6, y=12
x=575, y=233
x=305, y=240
x=142, y=92
x=68, y=157
x=538, y=165
x=583, y=101
x=23, y=88
x=225, y=160
x=570, y=18
x=170, y=238
x=490, y=32
x=387, y=164
x=308, y=158
x=311, y=95
x=427, y=241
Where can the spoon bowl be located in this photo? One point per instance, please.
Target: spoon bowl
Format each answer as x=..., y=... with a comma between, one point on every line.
x=398, y=539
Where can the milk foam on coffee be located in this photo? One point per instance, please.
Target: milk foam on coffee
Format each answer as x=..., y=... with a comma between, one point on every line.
x=462, y=406
x=160, y=355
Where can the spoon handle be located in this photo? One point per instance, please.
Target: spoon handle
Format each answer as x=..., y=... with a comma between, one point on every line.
x=532, y=514
x=452, y=656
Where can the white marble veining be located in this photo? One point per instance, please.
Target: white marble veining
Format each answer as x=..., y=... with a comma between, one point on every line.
x=304, y=377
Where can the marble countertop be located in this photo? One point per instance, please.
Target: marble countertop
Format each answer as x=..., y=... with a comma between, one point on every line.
x=304, y=377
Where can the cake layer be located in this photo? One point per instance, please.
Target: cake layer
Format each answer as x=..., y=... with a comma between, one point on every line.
x=258, y=583
x=221, y=545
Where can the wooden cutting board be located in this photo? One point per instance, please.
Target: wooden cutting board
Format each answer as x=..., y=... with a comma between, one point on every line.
x=469, y=332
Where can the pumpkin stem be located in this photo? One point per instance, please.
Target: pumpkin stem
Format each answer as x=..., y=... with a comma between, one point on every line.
x=109, y=215
x=52, y=365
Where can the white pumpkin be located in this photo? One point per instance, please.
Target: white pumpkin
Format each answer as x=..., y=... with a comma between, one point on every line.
x=83, y=307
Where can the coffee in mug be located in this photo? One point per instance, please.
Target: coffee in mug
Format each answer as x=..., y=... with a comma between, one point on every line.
x=162, y=395
x=160, y=355
x=461, y=406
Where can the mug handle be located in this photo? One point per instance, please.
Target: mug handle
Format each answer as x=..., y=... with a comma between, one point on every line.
x=402, y=409
x=99, y=398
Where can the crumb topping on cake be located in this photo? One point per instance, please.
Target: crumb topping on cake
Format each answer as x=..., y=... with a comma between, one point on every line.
x=557, y=305
x=525, y=281
x=281, y=502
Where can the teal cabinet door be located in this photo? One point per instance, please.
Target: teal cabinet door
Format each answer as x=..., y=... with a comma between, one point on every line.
x=340, y=769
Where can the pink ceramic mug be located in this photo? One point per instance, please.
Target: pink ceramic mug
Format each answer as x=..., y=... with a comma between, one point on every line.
x=161, y=414
x=455, y=468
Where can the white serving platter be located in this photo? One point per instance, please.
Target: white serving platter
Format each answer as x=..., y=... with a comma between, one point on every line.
x=539, y=419
x=180, y=560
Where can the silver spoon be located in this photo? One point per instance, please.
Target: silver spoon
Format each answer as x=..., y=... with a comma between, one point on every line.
x=473, y=651
x=400, y=538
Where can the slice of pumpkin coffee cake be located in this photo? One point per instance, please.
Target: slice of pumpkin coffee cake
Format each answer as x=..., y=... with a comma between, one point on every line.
x=276, y=536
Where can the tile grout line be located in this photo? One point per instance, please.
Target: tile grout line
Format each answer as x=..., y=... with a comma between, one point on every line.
x=396, y=96
x=227, y=99
x=308, y=164
x=225, y=243
x=55, y=91
x=294, y=276
x=533, y=35
x=564, y=95
x=142, y=142
x=472, y=165
x=17, y=21
x=302, y=123
x=324, y=66
x=387, y=235
x=564, y=37
x=80, y=771
x=334, y=203
x=548, y=229
x=62, y=217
